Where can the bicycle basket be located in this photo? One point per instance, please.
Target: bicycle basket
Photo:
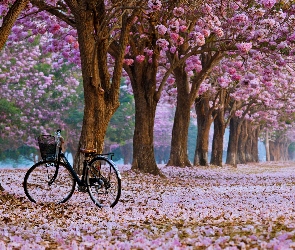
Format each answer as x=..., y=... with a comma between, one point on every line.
x=47, y=146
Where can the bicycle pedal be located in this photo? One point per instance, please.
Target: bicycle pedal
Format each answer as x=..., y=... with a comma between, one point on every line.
x=82, y=189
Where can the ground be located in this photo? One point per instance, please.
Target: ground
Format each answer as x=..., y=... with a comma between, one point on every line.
x=249, y=207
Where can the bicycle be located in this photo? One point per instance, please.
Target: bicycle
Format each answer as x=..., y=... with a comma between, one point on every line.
x=53, y=179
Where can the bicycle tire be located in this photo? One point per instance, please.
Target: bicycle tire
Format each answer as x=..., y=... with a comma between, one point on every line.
x=44, y=184
x=103, y=182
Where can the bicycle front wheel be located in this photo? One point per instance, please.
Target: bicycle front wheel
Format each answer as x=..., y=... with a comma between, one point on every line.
x=103, y=182
x=49, y=182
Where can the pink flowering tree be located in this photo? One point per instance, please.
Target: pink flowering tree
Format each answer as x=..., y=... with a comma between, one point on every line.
x=83, y=34
x=42, y=92
x=214, y=31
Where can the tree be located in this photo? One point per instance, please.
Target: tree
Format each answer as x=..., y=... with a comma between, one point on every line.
x=9, y=19
x=96, y=26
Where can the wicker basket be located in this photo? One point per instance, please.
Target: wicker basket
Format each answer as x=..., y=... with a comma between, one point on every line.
x=47, y=146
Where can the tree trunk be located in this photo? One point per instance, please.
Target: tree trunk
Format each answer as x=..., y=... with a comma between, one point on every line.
x=178, y=153
x=101, y=93
x=242, y=139
x=273, y=150
x=235, y=128
x=217, y=144
x=267, y=145
x=143, y=81
x=255, y=137
x=143, y=139
x=219, y=129
x=9, y=20
x=204, y=120
x=126, y=151
x=249, y=143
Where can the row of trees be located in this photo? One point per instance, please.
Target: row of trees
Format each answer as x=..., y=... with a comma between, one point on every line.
x=231, y=60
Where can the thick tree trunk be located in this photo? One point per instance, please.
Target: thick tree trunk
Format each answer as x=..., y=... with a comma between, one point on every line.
x=219, y=129
x=273, y=151
x=126, y=151
x=143, y=81
x=235, y=128
x=267, y=145
x=249, y=142
x=204, y=120
x=217, y=143
x=101, y=93
x=9, y=20
x=178, y=153
x=143, y=139
x=255, y=138
x=242, y=139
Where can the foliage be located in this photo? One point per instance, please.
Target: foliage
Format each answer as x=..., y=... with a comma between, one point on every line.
x=121, y=127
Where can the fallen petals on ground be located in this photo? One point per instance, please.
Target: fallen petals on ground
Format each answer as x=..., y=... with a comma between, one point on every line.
x=251, y=206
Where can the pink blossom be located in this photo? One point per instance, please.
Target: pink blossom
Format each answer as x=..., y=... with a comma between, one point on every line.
x=140, y=58
x=154, y=4
x=219, y=32
x=161, y=29
x=197, y=38
x=148, y=51
x=183, y=28
x=206, y=32
x=128, y=61
x=178, y=11
x=244, y=47
x=173, y=49
x=239, y=113
x=70, y=39
x=170, y=81
x=241, y=18
x=268, y=3
x=163, y=44
x=174, y=37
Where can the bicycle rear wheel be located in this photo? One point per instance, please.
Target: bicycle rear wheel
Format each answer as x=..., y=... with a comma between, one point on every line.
x=103, y=182
x=49, y=182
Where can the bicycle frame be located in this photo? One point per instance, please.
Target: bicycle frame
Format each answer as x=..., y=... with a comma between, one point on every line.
x=82, y=181
x=63, y=158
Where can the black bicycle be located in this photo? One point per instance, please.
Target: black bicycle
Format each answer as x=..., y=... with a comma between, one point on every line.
x=53, y=179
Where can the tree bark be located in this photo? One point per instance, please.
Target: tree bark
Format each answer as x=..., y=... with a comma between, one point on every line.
x=9, y=20
x=219, y=128
x=217, y=143
x=248, y=147
x=255, y=138
x=242, y=139
x=235, y=128
x=126, y=151
x=101, y=92
x=204, y=120
x=267, y=145
x=178, y=153
x=143, y=80
x=143, y=139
